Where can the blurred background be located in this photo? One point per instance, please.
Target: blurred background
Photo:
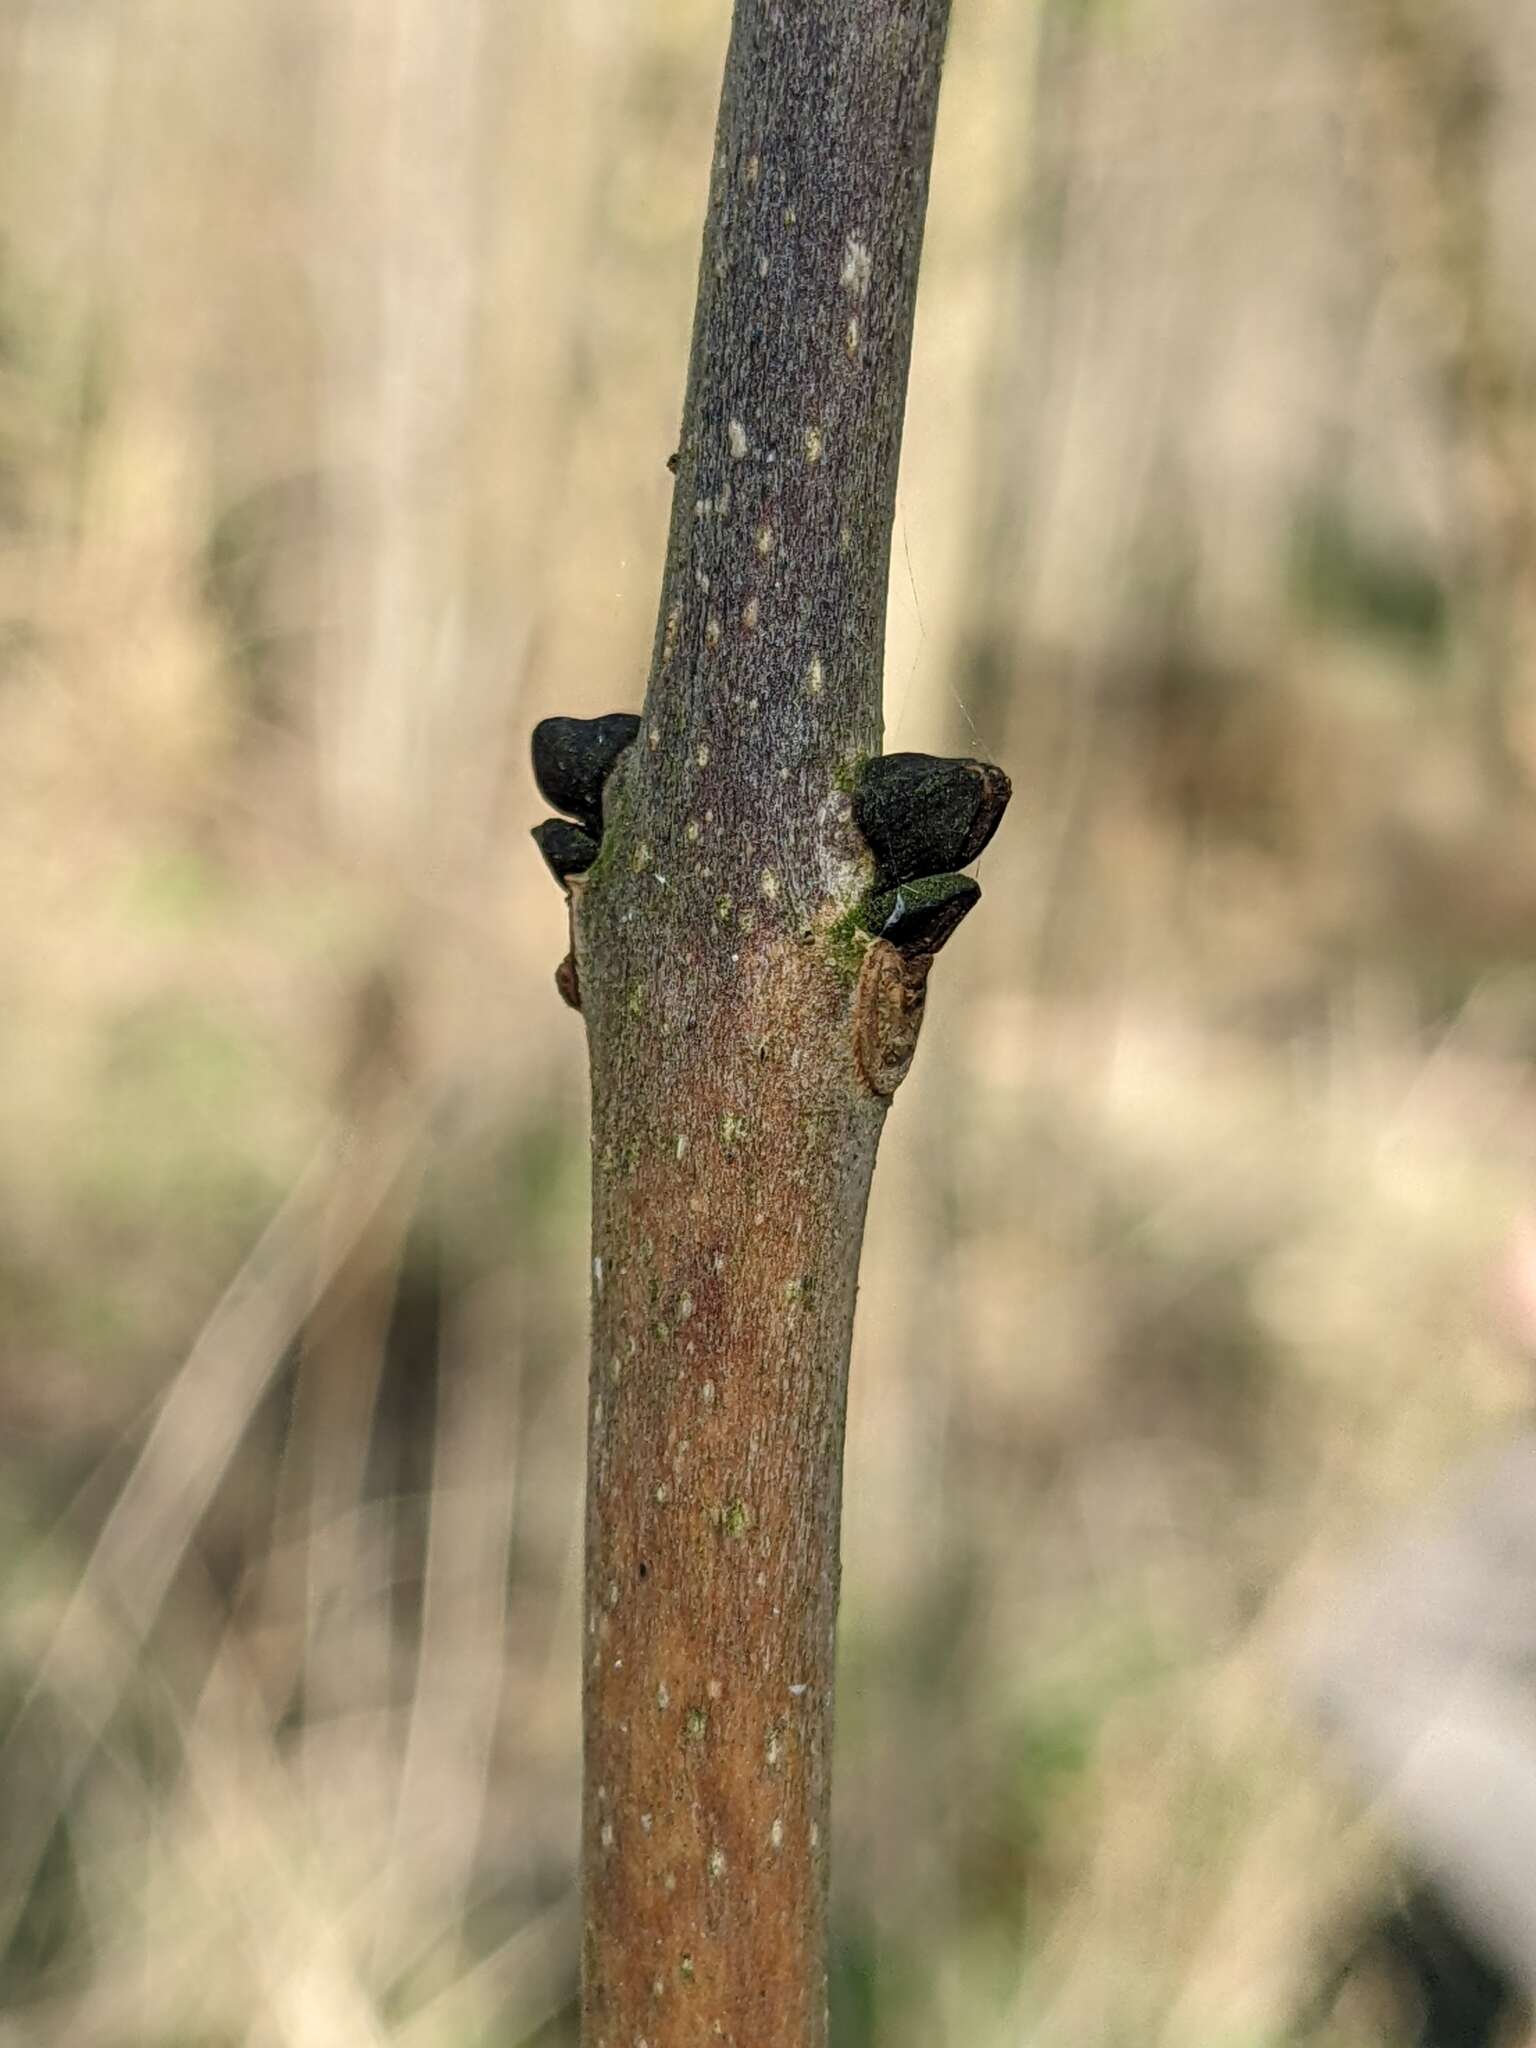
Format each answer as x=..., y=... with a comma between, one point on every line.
x=341, y=352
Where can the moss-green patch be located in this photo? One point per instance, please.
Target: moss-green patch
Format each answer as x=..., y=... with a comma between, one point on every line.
x=849, y=772
x=848, y=940
x=602, y=868
x=800, y=1293
x=615, y=834
x=735, y=1519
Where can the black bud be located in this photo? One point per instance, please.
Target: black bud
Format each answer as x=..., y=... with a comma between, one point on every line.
x=921, y=916
x=921, y=814
x=573, y=758
x=567, y=850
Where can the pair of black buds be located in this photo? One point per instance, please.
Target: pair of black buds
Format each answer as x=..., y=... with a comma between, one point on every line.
x=572, y=759
x=921, y=815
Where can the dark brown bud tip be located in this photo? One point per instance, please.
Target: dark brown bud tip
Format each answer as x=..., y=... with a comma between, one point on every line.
x=567, y=850
x=573, y=758
x=566, y=982
x=921, y=916
x=922, y=814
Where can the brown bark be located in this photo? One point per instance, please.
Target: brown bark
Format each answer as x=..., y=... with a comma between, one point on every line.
x=739, y=1025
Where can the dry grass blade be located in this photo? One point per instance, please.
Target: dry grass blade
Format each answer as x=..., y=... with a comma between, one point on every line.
x=525, y=1981
x=201, y=1420
x=460, y=1659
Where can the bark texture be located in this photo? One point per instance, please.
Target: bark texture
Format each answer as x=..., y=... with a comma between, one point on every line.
x=727, y=992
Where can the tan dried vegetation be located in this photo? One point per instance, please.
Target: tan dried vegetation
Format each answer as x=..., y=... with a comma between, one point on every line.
x=341, y=352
